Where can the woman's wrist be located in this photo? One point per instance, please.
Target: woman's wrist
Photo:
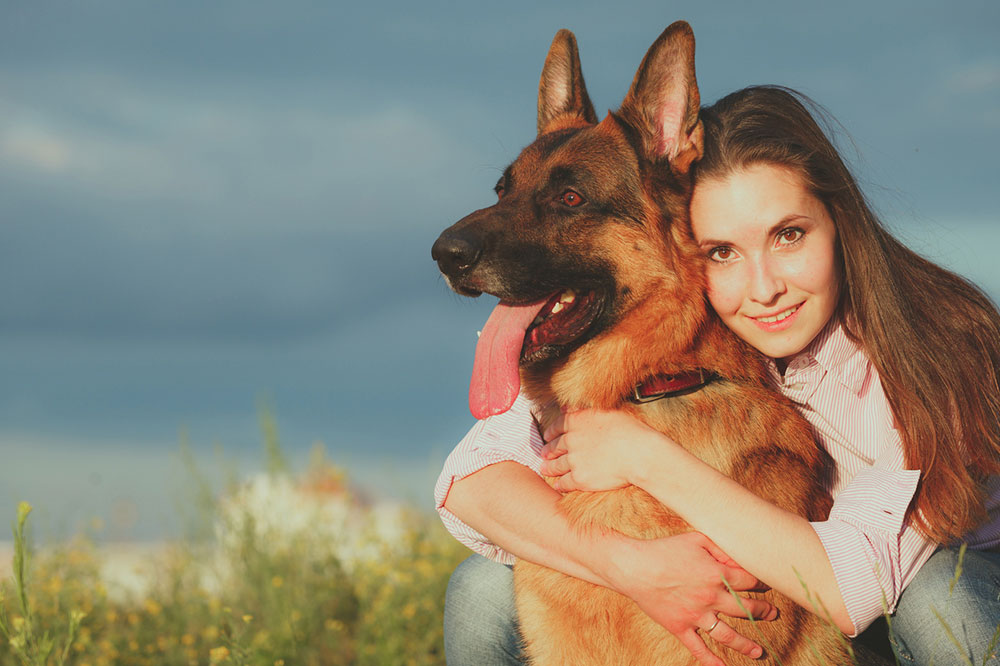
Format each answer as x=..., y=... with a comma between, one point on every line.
x=613, y=560
x=647, y=459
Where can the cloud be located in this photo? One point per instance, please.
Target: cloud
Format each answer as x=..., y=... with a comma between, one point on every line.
x=136, y=209
x=118, y=142
x=33, y=147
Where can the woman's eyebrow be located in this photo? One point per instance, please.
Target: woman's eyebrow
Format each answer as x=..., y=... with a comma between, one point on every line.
x=783, y=222
x=775, y=228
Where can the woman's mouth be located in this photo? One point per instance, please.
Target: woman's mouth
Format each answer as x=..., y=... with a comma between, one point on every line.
x=778, y=317
x=777, y=321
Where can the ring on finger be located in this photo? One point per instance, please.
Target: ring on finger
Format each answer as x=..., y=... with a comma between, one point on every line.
x=714, y=625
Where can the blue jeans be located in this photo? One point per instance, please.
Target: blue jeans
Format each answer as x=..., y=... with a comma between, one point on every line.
x=971, y=610
x=480, y=622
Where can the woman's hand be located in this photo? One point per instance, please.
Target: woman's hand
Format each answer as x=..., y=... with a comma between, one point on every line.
x=678, y=581
x=596, y=450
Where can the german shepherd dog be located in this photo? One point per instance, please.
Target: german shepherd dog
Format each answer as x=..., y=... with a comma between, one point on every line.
x=601, y=290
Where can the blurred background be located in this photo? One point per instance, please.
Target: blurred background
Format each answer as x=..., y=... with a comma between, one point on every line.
x=209, y=209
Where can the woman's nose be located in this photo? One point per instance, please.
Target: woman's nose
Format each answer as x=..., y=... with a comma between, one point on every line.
x=766, y=284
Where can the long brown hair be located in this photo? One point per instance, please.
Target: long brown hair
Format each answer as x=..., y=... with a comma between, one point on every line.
x=933, y=336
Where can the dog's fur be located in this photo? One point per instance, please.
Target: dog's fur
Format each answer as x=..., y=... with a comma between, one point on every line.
x=630, y=243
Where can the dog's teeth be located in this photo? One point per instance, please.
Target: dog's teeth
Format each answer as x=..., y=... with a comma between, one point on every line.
x=568, y=296
x=557, y=307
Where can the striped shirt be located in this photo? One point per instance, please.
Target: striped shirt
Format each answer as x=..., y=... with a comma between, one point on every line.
x=873, y=550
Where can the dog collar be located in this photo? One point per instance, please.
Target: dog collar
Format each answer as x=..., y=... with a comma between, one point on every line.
x=665, y=386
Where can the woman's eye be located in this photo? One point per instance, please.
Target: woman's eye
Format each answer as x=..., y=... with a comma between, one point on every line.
x=789, y=236
x=721, y=254
x=571, y=198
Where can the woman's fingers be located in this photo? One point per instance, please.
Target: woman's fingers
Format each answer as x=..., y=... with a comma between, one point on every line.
x=696, y=645
x=739, y=579
x=740, y=607
x=564, y=483
x=555, y=466
x=553, y=449
x=723, y=634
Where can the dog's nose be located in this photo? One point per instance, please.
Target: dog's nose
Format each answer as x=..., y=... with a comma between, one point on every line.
x=454, y=254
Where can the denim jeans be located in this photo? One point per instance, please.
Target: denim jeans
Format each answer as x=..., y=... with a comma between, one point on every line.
x=480, y=622
x=971, y=610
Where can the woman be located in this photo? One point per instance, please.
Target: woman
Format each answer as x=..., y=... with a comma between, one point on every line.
x=892, y=359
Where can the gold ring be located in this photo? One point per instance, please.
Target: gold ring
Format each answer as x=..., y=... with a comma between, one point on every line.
x=714, y=625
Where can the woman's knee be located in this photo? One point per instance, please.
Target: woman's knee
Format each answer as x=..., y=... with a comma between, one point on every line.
x=947, y=604
x=480, y=621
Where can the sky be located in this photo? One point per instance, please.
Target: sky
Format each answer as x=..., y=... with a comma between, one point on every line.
x=206, y=207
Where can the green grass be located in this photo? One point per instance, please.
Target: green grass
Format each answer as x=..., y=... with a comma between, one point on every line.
x=239, y=592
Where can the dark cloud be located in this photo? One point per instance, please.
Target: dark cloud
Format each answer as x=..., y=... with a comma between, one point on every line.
x=202, y=203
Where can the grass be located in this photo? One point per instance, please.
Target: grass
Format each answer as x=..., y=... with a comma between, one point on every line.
x=255, y=587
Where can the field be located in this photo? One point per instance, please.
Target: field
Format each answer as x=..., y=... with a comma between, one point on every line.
x=285, y=568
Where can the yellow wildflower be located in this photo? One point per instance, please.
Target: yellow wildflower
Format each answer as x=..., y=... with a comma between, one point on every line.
x=218, y=654
x=54, y=585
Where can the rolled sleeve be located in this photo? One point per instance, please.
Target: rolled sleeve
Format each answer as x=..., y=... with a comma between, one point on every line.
x=870, y=547
x=511, y=436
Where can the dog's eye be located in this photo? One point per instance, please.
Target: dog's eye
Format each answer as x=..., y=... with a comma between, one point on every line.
x=571, y=198
x=499, y=189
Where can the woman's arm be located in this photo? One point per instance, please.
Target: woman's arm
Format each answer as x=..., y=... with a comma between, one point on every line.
x=514, y=508
x=677, y=580
x=508, y=437
x=776, y=546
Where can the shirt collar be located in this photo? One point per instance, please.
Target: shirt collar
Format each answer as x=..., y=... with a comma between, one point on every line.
x=832, y=351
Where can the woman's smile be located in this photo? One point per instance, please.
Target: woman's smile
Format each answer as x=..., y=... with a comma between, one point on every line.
x=780, y=321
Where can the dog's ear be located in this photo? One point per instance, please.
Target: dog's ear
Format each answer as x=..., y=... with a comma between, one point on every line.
x=663, y=101
x=562, y=95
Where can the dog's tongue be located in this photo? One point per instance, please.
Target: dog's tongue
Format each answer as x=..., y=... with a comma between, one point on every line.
x=495, y=377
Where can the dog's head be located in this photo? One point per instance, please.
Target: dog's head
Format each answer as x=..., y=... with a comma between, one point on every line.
x=590, y=222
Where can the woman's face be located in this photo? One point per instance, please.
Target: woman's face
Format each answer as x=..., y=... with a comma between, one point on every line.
x=773, y=273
